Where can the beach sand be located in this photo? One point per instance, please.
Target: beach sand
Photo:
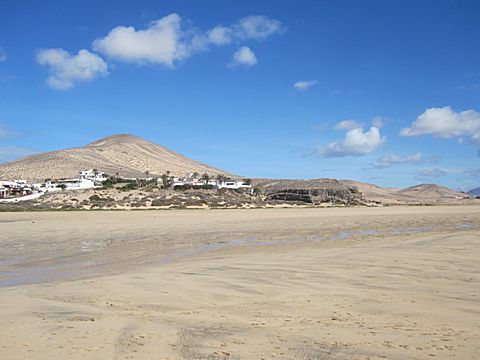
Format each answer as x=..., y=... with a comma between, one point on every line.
x=340, y=283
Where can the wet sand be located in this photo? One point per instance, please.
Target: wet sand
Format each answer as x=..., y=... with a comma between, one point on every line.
x=358, y=283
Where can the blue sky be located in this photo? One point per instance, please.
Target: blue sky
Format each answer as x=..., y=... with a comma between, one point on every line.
x=386, y=92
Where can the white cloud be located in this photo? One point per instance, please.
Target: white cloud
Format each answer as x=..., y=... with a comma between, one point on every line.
x=244, y=56
x=5, y=133
x=378, y=122
x=166, y=41
x=356, y=143
x=220, y=35
x=161, y=43
x=390, y=160
x=67, y=70
x=257, y=27
x=348, y=125
x=3, y=55
x=11, y=153
x=431, y=173
x=445, y=122
x=305, y=84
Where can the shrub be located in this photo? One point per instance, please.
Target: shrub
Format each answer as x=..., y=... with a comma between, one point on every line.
x=129, y=186
x=191, y=187
x=108, y=183
x=98, y=198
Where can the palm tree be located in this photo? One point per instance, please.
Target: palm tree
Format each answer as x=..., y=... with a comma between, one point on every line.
x=195, y=175
x=167, y=179
x=221, y=178
x=206, y=178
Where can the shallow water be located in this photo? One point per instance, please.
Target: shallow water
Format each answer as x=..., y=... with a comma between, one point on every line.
x=28, y=262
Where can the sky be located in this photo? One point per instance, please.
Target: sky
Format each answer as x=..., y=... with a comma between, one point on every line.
x=386, y=92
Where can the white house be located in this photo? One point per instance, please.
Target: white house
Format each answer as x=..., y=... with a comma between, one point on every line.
x=15, y=184
x=76, y=184
x=16, y=190
x=93, y=175
x=233, y=184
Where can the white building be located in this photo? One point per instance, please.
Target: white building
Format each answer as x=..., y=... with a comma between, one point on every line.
x=93, y=175
x=16, y=189
x=76, y=184
x=233, y=184
x=227, y=184
x=15, y=184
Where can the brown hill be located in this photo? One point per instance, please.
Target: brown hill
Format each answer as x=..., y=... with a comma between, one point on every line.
x=419, y=194
x=128, y=155
x=431, y=191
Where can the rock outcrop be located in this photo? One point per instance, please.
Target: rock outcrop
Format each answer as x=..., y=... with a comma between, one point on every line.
x=340, y=195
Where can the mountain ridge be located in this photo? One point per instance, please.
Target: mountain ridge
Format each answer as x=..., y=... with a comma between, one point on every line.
x=474, y=192
x=125, y=154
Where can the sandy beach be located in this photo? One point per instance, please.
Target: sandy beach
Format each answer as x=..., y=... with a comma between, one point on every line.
x=339, y=283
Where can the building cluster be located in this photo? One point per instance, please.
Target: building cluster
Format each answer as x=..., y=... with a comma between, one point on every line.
x=16, y=190
x=220, y=183
x=86, y=179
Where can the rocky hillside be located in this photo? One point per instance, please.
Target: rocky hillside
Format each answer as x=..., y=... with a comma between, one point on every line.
x=474, y=192
x=309, y=191
x=347, y=189
x=128, y=155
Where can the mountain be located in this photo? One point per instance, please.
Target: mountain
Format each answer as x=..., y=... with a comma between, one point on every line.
x=430, y=191
x=474, y=192
x=128, y=155
x=423, y=193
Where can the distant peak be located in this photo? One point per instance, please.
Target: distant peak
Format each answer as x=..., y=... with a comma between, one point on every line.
x=117, y=139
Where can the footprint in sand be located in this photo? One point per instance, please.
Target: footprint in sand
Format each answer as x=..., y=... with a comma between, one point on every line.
x=126, y=345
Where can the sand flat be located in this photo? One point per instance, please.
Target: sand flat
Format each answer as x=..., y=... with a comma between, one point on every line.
x=395, y=283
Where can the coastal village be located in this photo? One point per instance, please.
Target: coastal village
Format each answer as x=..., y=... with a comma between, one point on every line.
x=21, y=190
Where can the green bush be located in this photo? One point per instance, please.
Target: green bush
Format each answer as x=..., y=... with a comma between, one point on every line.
x=108, y=183
x=130, y=186
x=98, y=198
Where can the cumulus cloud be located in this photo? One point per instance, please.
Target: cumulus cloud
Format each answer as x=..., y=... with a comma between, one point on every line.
x=3, y=55
x=243, y=56
x=348, y=125
x=67, y=70
x=162, y=42
x=430, y=173
x=220, y=35
x=356, y=142
x=305, y=84
x=446, y=123
x=166, y=41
